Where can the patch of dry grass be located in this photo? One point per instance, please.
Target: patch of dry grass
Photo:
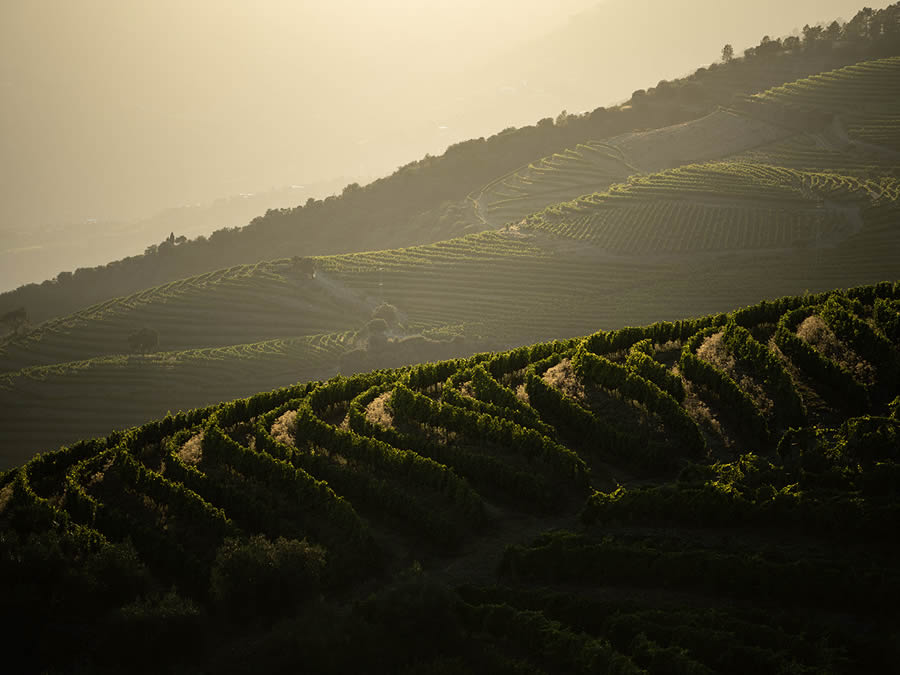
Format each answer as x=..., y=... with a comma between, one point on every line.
x=467, y=390
x=284, y=427
x=562, y=376
x=703, y=416
x=521, y=394
x=191, y=452
x=715, y=352
x=100, y=475
x=816, y=332
x=378, y=412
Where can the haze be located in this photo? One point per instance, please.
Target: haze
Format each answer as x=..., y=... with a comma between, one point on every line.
x=114, y=110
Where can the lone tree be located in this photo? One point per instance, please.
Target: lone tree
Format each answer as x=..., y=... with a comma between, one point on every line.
x=727, y=53
x=143, y=340
x=376, y=331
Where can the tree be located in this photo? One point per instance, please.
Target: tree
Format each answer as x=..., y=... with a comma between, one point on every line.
x=256, y=578
x=811, y=34
x=376, y=329
x=791, y=43
x=727, y=53
x=768, y=46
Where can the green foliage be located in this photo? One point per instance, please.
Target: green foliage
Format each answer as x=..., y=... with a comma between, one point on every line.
x=762, y=362
x=726, y=392
x=839, y=382
x=640, y=361
x=235, y=534
x=619, y=378
x=256, y=579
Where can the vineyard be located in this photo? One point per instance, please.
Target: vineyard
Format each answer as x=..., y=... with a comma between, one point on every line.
x=792, y=195
x=707, y=495
x=233, y=306
x=876, y=83
x=724, y=206
x=595, y=166
x=493, y=290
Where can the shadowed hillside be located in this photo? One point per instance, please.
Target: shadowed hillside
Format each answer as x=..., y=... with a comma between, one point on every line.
x=710, y=495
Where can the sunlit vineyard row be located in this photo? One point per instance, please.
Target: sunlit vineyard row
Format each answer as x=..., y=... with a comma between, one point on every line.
x=717, y=207
x=876, y=83
x=242, y=304
x=492, y=290
x=586, y=168
x=599, y=165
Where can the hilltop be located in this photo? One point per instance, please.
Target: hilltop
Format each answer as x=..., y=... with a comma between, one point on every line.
x=705, y=495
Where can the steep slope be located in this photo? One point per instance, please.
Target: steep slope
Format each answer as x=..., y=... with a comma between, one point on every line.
x=709, y=495
x=595, y=166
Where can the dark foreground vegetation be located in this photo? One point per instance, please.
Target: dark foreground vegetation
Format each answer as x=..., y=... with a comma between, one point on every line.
x=708, y=495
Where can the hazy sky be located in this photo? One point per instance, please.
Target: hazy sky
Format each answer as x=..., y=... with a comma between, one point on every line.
x=118, y=108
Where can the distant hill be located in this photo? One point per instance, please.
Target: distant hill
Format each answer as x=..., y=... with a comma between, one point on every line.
x=425, y=201
x=31, y=253
x=711, y=495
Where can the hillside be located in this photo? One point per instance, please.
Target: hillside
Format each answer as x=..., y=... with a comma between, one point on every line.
x=796, y=202
x=709, y=495
x=426, y=201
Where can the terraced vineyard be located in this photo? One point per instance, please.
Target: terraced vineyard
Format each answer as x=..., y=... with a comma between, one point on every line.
x=720, y=207
x=706, y=495
x=811, y=152
x=561, y=275
x=860, y=141
x=245, y=303
x=491, y=290
x=586, y=168
x=793, y=208
x=864, y=95
x=129, y=388
x=595, y=166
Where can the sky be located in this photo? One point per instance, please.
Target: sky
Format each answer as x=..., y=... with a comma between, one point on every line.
x=116, y=109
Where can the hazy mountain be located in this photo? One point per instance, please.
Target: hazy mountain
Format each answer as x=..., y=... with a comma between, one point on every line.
x=32, y=253
x=121, y=109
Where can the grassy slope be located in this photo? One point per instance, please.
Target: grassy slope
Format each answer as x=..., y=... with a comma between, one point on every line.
x=721, y=560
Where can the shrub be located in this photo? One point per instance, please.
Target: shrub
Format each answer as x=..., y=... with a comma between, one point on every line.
x=255, y=578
